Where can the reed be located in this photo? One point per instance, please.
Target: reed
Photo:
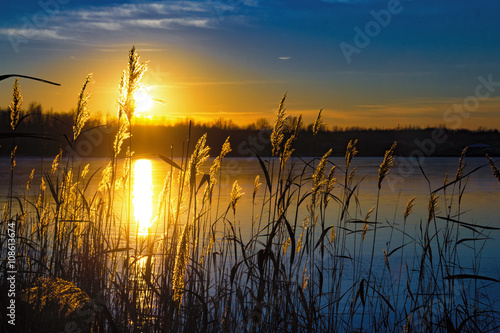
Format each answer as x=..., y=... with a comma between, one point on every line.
x=307, y=264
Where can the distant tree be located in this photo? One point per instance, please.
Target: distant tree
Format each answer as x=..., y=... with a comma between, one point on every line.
x=261, y=123
x=290, y=123
x=35, y=108
x=322, y=127
x=224, y=123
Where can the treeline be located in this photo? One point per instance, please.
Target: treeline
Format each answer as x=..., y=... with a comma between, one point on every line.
x=45, y=133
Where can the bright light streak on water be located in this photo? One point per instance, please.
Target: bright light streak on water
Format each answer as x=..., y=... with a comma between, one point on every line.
x=143, y=195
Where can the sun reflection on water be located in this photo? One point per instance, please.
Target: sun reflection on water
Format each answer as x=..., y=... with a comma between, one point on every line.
x=142, y=196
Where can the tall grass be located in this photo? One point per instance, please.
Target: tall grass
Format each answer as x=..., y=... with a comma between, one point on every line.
x=304, y=267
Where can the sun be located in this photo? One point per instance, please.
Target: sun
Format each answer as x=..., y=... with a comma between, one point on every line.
x=143, y=101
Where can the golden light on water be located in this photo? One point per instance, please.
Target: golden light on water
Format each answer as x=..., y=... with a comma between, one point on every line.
x=143, y=100
x=143, y=195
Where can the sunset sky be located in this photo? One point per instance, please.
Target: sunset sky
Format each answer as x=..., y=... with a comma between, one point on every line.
x=366, y=62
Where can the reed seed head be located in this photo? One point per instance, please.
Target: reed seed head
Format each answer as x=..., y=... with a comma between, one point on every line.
x=432, y=207
x=495, y=170
x=13, y=158
x=319, y=172
x=256, y=186
x=409, y=208
x=198, y=157
x=350, y=152
x=300, y=242
x=236, y=194
x=365, y=225
x=286, y=244
x=305, y=278
x=277, y=133
x=386, y=165
x=30, y=179
x=82, y=112
x=56, y=161
x=85, y=171
x=318, y=123
x=15, y=105
x=461, y=165
x=130, y=83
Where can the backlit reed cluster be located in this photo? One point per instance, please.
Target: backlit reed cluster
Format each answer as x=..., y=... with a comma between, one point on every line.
x=200, y=271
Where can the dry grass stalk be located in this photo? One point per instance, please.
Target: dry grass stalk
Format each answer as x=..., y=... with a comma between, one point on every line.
x=56, y=161
x=305, y=278
x=461, y=164
x=329, y=185
x=30, y=179
x=215, y=168
x=120, y=137
x=130, y=84
x=318, y=123
x=277, y=133
x=300, y=242
x=318, y=180
x=181, y=261
x=286, y=244
x=409, y=208
x=236, y=194
x=432, y=207
x=256, y=186
x=198, y=157
x=288, y=149
x=365, y=225
x=495, y=170
x=15, y=105
x=85, y=171
x=105, y=182
x=13, y=159
x=82, y=113
x=351, y=151
x=386, y=165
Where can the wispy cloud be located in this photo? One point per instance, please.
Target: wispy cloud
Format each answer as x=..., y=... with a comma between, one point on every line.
x=33, y=33
x=168, y=15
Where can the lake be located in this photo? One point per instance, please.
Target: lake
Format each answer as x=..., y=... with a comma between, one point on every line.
x=479, y=204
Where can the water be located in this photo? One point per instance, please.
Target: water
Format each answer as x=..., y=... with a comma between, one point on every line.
x=478, y=205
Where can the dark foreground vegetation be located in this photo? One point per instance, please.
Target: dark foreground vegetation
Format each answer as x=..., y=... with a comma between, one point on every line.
x=311, y=263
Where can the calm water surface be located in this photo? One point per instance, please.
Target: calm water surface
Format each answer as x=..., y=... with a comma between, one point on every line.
x=480, y=203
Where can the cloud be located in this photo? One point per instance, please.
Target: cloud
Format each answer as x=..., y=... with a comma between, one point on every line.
x=285, y=58
x=40, y=34
x=78, y=23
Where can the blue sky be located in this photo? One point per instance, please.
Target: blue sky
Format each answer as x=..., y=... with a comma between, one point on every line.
x=235, y=58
